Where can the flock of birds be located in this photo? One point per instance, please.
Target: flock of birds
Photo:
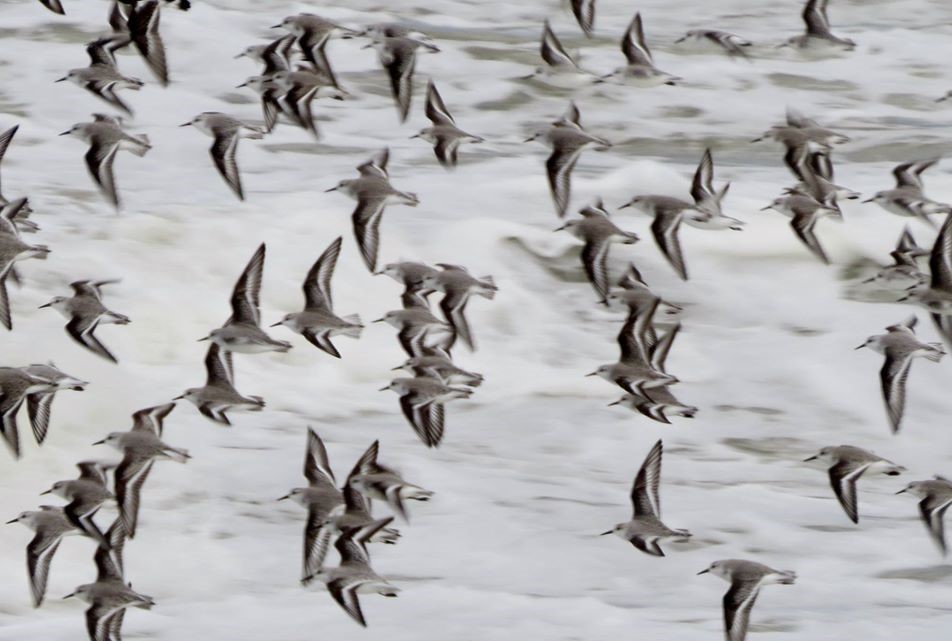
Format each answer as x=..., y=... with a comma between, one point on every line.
x=295, y=71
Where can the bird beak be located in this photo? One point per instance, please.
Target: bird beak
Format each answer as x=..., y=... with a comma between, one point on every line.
x=46, y=305
x=766, y=208
x=592, y=374
x=681, y=39
x=276, y=324
x=869, y=200
x=186, y=124
x=618, y=402
x=704, y=571
x=812, y=458
x=13, y=521
x=178, y=398
x=286, y=496
x=379, y=320
x=384, y=389
x=65, y=133
x=414, y=136
x=100, y=442
x=397, y=368
x=899, y=492
x=626, y=205
x=240, y=55
x=560, y=228
x=368, y=45
x=244, y=84
x=204, y=339
x=46, y=492
x=604, y=533
x=71, y=594
x=61, y=79
x=860, y=346
x=327, y=191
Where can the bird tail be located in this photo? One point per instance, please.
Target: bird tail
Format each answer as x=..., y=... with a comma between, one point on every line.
x=488, y=287
x=356, y=326
x=387, y=535
x=473, y=380
x=688, y=411
x=936, y=355
x=142, y=148
x=461, y=392
x=414, y=493
x=177, y=454
x=787, y=577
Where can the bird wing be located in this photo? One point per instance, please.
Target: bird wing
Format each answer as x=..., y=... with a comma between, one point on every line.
x=940, y=260
x=81, y=330
x=130, y=477
x=223, y=154
x=150, y=419
x=702, y=187
x=39, y=555
x=38, y=408
x=246, y=295
x=317, y=283
x=644, y=491
x=559, y=166
x=321, y=340
x=595, y=262
x=144, y=30
x=893, y=377
x=659, y=351
x=933, y=511
x=317, y=467
x=633, y=44
x=99, y=160
x=446, y=150
x=344, y=591
x=366, y=221
x=738, y=602
x=436, y=109
x=552, y=51
x=814, y=15
x=646, y=545
x=400, y=70
x=453, y=307
x=217, y=371
x=803, y=227
x=843, y=477
x=665, y=230
x=584, y=11
x=317, y=539
x=97, y=621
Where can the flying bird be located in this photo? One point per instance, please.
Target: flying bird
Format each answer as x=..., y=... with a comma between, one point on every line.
x=242, y=331
x=900, y=346
x=444, y=135
x=645, y=529
x=226, y=132
x=85, y=311
x=746, y=579
x=847, y=464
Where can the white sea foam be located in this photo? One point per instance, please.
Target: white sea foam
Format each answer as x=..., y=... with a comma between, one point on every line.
x=535, y=465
